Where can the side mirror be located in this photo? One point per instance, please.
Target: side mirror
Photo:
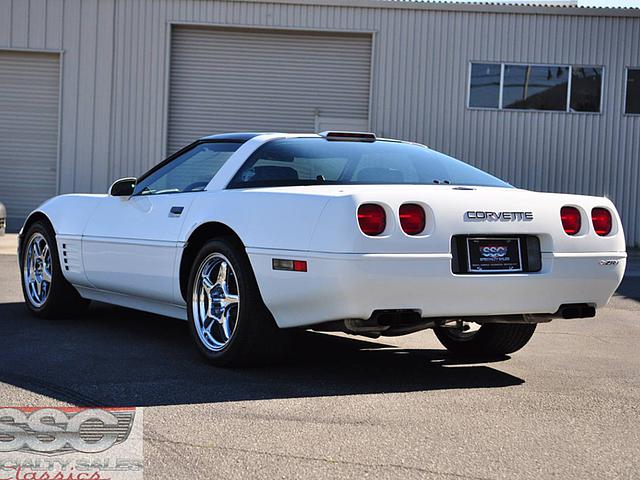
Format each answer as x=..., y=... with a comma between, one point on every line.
x=123, y=187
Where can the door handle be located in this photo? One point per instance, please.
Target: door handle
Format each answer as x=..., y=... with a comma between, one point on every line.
x=176, y=211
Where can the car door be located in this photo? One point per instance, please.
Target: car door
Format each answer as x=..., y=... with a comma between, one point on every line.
x=130, y=244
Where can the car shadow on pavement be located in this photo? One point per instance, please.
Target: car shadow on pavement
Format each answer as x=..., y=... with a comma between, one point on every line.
x=629, y=288
x=119, y=357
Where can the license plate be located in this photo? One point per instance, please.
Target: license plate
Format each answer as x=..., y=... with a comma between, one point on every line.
x=494, y=255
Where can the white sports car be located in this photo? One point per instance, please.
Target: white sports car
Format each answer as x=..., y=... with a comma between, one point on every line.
x=246, y=234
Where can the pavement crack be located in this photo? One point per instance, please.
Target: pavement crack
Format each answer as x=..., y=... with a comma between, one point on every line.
x=155, y=437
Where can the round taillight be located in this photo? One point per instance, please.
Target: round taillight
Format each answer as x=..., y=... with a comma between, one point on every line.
x=601, y=219
x=372, y=219
x=571, y=220
x=412, y=218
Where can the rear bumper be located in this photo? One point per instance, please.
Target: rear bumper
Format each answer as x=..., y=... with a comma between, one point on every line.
x=340, y=286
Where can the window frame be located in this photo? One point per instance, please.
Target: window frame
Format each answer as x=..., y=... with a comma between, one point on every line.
x=500, y=106
x=624, y=97
x=177, y=155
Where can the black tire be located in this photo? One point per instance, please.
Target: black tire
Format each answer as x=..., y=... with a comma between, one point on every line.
x=62, y=300
x=492, y=339
x=255, y=338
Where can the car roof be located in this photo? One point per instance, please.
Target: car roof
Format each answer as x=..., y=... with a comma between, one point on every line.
x=236, y=136
x=246, y=136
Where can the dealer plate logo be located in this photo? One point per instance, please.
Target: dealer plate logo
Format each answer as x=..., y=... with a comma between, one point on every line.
x=492, y=251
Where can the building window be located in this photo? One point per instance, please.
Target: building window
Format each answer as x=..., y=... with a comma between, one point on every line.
x=558, y=88
x=632, y=104
x=484, y=87
x=586, y=89
x=527, y=87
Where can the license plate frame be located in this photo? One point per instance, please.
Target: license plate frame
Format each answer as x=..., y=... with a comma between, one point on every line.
x=494, y=255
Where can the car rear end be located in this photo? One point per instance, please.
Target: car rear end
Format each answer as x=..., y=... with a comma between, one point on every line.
x=445, y=252
x=401, y=231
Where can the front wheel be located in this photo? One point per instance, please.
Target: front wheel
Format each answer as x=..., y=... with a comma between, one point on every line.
x=228, y=320
x=46, y=292
x=491, y=339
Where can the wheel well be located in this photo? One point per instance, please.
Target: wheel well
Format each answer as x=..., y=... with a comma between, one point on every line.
x=33, y=218
x=198, y=238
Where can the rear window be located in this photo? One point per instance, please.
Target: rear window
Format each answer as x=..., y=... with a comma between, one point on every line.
x=316, y=161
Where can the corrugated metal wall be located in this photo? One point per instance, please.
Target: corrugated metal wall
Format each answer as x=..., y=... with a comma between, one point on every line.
x=114, y=119
x=29, y=89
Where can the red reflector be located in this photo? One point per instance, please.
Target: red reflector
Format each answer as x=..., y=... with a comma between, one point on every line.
x=372, y=219
x=289, y=265
x=412, y=218
x=571, y=220
x=601, y=218
x=299, y=266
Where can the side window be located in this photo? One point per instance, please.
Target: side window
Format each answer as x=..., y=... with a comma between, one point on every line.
x=190, y=172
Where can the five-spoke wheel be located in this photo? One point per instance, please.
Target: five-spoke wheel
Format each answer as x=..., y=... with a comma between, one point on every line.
x=37, y=270
x=46, y=292
x=228, y=320
x=215, y=301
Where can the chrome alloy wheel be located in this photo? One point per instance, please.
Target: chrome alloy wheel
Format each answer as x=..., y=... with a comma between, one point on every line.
x=216, y=302
x=36, y=270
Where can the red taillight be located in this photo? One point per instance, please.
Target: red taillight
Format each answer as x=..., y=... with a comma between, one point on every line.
x=412, y=218
x=601, y=218
x=571, y=220
x=372, y=219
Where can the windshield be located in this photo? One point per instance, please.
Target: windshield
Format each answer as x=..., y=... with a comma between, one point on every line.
x=316, y=161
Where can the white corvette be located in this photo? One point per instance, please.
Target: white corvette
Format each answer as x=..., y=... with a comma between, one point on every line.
x=244, y=235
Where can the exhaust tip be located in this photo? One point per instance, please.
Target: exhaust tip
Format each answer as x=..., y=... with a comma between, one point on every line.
x=577, y=310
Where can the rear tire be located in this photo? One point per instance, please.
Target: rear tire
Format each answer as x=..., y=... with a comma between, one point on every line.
x=227, y=317
x=47, y=294
x=492, y=339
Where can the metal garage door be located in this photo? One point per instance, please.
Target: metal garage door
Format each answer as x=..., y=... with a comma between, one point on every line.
x=226, y=80
x=28, y=131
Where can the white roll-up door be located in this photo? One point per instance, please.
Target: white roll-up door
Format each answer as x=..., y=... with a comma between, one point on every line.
x=28, y=131
x=225, y=80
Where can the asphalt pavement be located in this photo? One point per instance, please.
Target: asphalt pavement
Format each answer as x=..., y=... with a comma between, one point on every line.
x=567, y=406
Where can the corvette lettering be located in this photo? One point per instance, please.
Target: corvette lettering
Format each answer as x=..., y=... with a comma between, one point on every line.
x=499, y=216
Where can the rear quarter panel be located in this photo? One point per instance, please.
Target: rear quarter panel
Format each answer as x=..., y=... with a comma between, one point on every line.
x=262, y=219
